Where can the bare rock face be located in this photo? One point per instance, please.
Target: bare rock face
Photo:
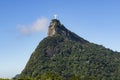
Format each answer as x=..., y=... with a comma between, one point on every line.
x=53, y=28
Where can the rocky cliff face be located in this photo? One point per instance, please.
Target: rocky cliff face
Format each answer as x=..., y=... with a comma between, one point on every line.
x=56, y=28
x=53, y=28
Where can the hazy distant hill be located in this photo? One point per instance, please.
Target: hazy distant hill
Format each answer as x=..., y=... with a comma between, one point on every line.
x=65, y=55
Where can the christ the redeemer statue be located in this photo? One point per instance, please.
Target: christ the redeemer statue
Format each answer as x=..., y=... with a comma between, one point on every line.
x=55, y=16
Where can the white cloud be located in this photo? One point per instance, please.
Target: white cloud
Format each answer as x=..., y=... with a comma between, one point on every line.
x=40, y=25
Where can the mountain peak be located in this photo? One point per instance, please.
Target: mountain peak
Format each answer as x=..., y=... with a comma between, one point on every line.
x=56, y=28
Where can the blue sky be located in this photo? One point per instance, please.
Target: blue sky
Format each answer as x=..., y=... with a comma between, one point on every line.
x=23, y=25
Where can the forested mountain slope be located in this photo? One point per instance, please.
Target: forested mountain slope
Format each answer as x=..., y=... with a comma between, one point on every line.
x=68, y=56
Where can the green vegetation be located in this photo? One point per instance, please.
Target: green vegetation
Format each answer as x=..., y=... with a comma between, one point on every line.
x=68, y=57
x=4, y=79
x=49, y=76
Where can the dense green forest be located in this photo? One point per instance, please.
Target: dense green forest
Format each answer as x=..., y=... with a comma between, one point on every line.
x=73, y=59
